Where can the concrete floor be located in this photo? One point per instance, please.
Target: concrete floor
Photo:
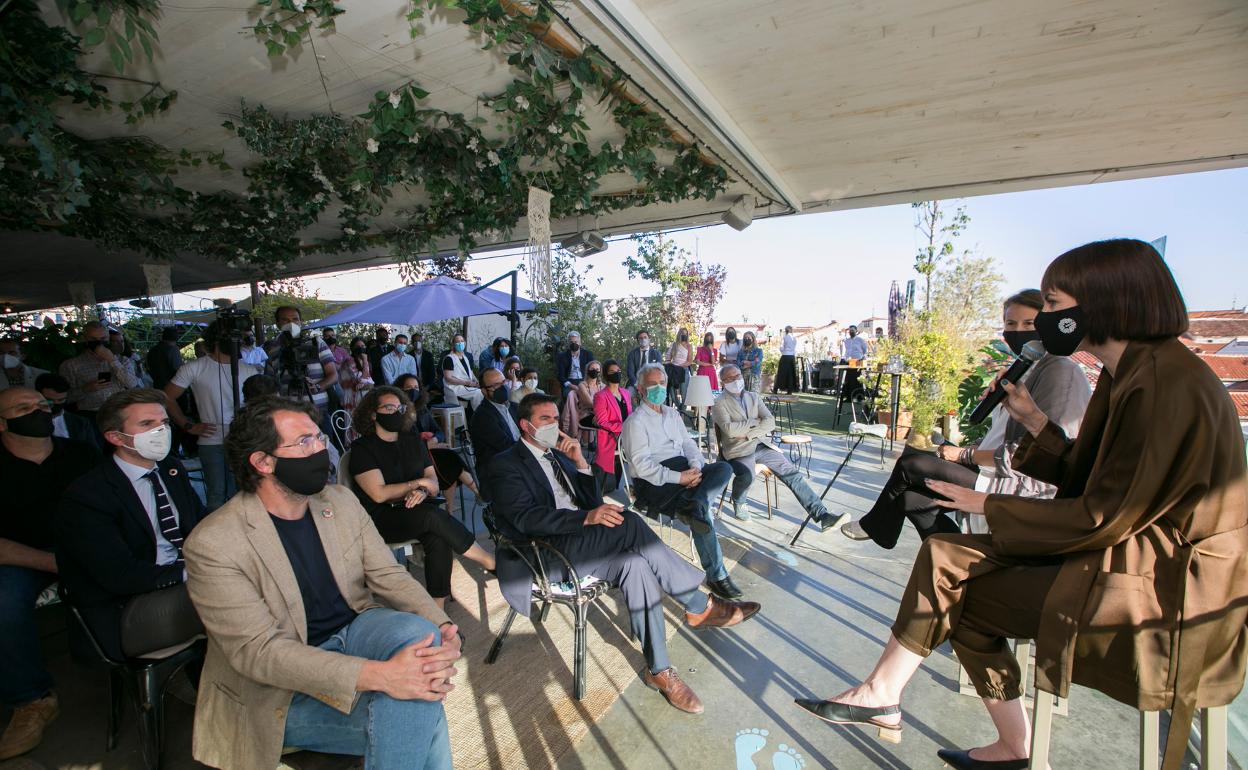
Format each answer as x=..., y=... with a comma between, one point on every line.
x=827, y=607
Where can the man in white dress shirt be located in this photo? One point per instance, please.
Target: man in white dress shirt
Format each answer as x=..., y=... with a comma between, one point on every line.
x=670, y=475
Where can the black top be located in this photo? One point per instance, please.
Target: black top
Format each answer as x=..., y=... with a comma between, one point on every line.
x=403, y=460
x=619, y=399
x=32, y=491
x=323, y=605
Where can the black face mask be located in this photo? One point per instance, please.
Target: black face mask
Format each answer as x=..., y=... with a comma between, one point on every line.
x=614, y=377
x=499, y=395
x=303, y=475
x=1016, y=339
x=593, y=374
x=683, y=338
x=249, y=341
x=37, y=424
x=93, y=344
x=1061, y=331
x=57, y=409
x=358, y=351
x=331, y=341
x=574, y=346
x=391, y=422
x=731, y=336
x=413, y=394
x=748, y=342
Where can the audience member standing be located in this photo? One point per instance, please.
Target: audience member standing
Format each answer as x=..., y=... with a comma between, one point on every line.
x=571, y=364
x=612, y=406
x=786, y=371
x=426, y=366
x=248, y=353
x=164, y=358
x=377, y=349
x=96, y=373
x=302, y=382
x=35, y=468
x=317, y=637
x=209, y=380
x=706, y=360
x=853, y=348
x=397, y=362
x=730, y=348
x=120, y=527
x=679, y=358
x=644, y=353
x=14, y=373
x=356, y=374
x=750, y=362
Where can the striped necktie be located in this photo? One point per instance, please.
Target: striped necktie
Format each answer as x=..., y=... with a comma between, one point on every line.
x=165, y=518
x=560, y=477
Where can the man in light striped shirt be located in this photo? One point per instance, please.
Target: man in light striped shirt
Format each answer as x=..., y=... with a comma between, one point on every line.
x=96, y=373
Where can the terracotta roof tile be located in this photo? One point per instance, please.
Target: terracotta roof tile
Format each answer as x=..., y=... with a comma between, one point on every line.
x=1228, y=368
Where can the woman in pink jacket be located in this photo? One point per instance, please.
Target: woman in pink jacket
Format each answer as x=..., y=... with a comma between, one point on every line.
x=612, y=406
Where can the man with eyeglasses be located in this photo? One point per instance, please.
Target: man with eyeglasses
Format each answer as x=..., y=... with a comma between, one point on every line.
x=34, y=468
x=317, y=637
x=96, y=373
x=121, y=528
x=495, y=424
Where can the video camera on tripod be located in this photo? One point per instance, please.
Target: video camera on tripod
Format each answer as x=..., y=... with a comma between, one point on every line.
x=297, y=352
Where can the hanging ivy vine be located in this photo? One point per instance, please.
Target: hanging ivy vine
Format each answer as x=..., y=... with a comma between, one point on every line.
x=120, y=192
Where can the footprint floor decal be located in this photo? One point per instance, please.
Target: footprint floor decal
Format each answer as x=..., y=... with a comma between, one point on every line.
x=749, y=742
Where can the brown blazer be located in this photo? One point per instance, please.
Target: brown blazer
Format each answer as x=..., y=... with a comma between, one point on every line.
x=242, y=584
x=1152, y=515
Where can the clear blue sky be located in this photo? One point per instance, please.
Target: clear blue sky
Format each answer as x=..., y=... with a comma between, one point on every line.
x=814, y=268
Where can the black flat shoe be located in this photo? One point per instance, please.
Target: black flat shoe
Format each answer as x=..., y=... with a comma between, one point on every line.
x=962, y=760
x=845, y=714
x=725, y=588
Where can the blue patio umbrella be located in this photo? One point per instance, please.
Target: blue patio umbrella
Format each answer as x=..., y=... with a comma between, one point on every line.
x=434, y=300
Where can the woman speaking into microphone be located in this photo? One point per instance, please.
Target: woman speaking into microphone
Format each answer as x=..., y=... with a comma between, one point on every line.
x=1134, y=579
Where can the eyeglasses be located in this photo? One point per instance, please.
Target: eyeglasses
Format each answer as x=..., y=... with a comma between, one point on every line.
x=306, y=443
x=391, y=409
x=31, y=406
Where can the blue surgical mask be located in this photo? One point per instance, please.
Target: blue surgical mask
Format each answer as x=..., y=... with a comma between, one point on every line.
x=459, y=347
x=401, y=347
x=504, y=351
x=656, y=394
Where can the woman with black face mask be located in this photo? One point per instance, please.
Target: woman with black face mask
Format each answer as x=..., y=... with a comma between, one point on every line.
x=355, y=374
x=1132, y=578
x=612, y=406
x=446, y=461
x=578, y=412
x=394, y=478
x=1057, y=383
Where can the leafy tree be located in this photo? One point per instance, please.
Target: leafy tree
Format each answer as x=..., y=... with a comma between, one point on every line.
x=967, y=300
x=938, y=236
x=702, y=290
x=663, y=262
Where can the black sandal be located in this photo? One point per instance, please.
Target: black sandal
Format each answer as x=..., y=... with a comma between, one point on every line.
x=845, y=714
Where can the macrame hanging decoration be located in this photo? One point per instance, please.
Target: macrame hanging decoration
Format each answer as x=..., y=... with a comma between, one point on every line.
x=541, y=287
x=160, y=290
x=82, y=295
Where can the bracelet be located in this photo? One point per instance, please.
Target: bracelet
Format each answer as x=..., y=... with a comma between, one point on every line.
x=967, y=456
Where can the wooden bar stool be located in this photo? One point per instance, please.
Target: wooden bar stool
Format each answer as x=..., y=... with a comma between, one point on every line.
x=1213, y=735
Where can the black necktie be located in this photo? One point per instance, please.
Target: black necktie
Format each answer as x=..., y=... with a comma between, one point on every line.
x=164, y=513
x=559, y=477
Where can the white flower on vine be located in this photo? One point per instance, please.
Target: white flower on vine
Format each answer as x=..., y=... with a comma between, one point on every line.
x=372, y=146
x=473, y=144
x=554, y=128
x=580, y=109
x=521, y=102
x=318, y=198
x=413, y=139
x=348, y=231
x=493, y=158
x=200, y=228
x=225, y=223
x=356, y=187
x=480, y=165
x=395, y=98
x=300, y=5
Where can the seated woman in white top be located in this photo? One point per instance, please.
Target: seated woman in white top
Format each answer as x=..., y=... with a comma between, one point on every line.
x=458, y=379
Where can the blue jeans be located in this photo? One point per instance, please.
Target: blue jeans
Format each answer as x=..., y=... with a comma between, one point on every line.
x=390, y=734
x=743, y=469
x=218, y=481
x=715, y=477
x=23, y=674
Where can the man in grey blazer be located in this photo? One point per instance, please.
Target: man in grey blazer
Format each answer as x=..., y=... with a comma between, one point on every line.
x=743, y=424
x=317, y=637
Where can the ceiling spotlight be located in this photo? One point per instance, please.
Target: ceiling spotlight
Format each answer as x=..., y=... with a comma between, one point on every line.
x=740, y=214
x=584, y=243
x=8, y=308
x=142, y=302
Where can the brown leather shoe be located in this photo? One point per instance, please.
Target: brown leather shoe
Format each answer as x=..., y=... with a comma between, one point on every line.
x=25, y=729
x=722, y=613
x=674, y=689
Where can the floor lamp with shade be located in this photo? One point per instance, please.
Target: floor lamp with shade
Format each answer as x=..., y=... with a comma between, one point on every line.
x=700, y=399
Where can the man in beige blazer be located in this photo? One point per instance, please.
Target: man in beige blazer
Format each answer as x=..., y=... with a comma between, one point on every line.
x=317, y=638
x=743, y=424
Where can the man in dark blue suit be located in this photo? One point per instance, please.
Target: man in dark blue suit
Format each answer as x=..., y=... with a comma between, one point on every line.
x=541, y=491
x=495, y=424
x=121, y=525
x=572, y=364
x=75, y=427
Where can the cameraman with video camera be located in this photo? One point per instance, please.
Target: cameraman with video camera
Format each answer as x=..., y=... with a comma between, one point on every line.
x=210, y=379
x=302, y=364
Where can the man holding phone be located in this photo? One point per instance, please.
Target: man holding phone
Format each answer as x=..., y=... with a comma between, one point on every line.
x=96, y=373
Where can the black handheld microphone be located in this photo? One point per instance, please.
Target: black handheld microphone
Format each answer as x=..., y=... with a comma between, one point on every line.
x=1032, y=352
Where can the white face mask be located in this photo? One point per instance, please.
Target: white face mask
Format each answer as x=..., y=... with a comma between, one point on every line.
x=530, y=384
x=292, y=329
x=547, y=435
x=645, y=344
x=10, y=361
x=154, y=444
x=735, y=387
